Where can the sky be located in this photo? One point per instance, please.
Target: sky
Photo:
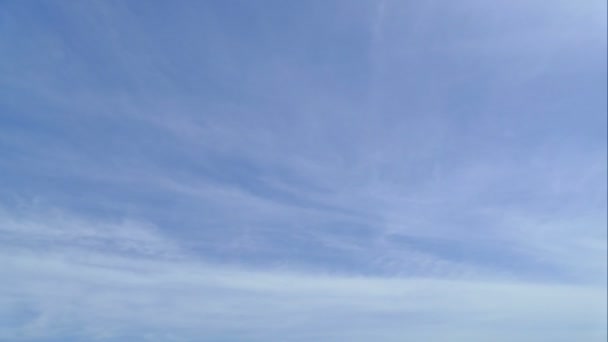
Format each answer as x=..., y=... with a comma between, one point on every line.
x=321, y=170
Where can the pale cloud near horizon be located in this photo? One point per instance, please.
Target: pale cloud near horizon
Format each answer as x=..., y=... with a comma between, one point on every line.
x=91, y=285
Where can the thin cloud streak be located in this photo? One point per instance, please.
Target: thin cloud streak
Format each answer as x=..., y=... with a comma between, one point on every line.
x=107, y=295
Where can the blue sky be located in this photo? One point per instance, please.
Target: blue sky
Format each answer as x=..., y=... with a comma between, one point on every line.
x=303, y=170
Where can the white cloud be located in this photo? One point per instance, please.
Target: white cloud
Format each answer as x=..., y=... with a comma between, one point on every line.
x=102, y=294
x=436, y=134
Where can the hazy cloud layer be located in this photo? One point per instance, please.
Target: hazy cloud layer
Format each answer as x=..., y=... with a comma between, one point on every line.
x=316, y=170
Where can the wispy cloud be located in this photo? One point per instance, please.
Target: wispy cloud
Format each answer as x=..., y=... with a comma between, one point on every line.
x=308, y=171
x=103, y=294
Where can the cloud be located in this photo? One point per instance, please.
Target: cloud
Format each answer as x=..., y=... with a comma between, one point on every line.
x=312, y=171
x=73, y=291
